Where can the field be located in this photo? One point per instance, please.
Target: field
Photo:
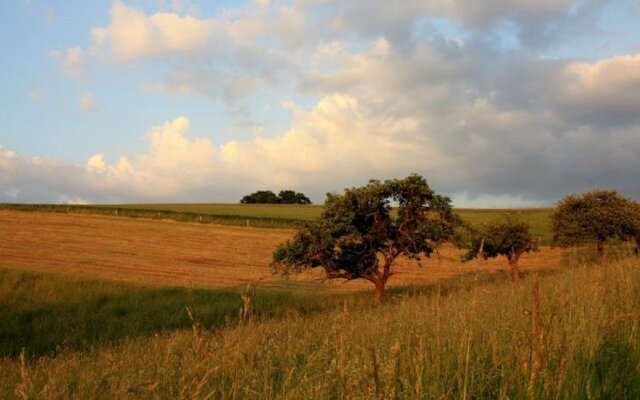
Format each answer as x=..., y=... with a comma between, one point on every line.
x=577, y=336
x=100, y=306
x=268, y=215
x=155, y=252
x=296, y=212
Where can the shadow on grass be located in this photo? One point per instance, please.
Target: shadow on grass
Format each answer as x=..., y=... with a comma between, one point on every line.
x=95, y=312
x=107, y=318
x=613, y=369
x=84, y=313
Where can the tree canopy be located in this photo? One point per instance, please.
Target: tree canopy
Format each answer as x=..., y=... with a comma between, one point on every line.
x=509, y=236
x=365, y=229
x=269, y=197
x=595, y=216
x=291, y=197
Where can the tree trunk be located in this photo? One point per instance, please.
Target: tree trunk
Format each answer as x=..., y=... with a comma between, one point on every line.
x=600, y=248
x=515, y=271
x=379, y=290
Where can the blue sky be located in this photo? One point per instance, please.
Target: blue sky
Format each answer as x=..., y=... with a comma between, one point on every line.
x=507, y=103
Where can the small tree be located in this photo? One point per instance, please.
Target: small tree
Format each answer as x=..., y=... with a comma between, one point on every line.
x=509, y=237
x=358, y=236
x=595, y=216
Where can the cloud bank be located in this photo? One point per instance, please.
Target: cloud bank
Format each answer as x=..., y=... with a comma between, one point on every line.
x=464, y=94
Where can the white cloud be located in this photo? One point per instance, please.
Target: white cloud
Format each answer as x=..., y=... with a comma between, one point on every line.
x=173, y=163
x=131, y=34
x=603, y=92
x=88, y=103
x=96, y=163
x=336, y=135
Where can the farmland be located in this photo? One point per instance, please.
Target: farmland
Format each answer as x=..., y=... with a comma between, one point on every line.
x=146, y=306
x=267, y=215
x=156, y=252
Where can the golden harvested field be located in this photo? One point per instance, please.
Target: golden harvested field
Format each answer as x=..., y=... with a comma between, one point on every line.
x=188, y=254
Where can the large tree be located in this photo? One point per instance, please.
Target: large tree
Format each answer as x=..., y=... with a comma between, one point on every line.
x=508, y=236
x=595, y=216
x=365, y=229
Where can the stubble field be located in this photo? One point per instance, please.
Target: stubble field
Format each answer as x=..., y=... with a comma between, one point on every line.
x=189, y=254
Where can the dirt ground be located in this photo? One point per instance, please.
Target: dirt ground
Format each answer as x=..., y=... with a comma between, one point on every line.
x=189, y=254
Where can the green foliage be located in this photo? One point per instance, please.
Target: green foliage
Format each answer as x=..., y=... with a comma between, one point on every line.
x=359, y=237
x=509, y=236
x=41, y=313
x=597, y=216
x=291, y=197
x=261, y=197
x=268, y=197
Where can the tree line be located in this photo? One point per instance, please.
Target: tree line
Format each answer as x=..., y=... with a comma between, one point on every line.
x=358, y=236
x=268, y=197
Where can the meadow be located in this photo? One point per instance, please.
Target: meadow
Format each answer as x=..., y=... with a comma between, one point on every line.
x=568, y=334
x=93, y=305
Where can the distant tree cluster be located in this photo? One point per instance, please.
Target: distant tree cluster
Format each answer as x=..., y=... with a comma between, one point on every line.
x=268, y=197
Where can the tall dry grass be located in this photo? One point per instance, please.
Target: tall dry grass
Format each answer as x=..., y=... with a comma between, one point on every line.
x=573, y=334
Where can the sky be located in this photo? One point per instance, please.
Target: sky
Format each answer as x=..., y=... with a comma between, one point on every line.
x=499, y=103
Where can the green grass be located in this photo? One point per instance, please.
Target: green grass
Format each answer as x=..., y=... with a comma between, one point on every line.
x=267, y=211
x=41, y=312
x=486, y=338
x=538, y=218
x=268, y=220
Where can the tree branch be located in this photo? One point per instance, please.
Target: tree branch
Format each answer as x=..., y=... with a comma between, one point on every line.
x=337, y=275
